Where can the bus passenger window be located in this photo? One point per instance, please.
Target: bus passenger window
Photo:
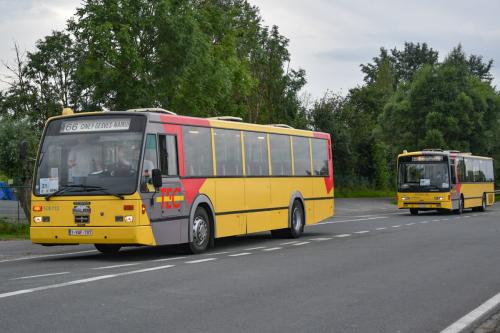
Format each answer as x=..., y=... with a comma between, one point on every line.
x=168, y=155
x=150, y=162
x=320, y=157
x=281, y=155
x=256, y=158
x=198, y=160
x=228, y=152
x=301, y=156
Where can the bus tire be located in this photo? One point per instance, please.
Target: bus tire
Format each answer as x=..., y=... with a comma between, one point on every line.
x=200, y=231
x=413, y=211
x=108, y=248
x=297, y=222
x=483, y=204
x=460, y=209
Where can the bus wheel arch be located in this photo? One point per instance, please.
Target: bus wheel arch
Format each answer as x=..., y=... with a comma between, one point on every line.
x=202, y=202
x=297, y=196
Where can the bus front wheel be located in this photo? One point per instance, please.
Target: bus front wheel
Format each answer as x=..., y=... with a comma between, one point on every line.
x=108, y=248
x=200, y=231
x=413, y=211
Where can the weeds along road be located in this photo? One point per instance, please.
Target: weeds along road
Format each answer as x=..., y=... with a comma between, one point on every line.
x=371, y=268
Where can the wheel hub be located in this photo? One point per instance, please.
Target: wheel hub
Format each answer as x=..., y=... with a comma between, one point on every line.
x=200, y=230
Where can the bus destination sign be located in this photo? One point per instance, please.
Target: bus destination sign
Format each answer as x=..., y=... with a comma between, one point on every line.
x=95, y=125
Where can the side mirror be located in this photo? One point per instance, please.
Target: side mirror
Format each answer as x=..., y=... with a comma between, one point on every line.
x=157, y=180
x=23, y=150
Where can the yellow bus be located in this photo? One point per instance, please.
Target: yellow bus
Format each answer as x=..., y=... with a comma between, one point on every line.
x=151, y=177
x=434, y=179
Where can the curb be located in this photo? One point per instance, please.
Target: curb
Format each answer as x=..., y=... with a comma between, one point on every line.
x=476, y=317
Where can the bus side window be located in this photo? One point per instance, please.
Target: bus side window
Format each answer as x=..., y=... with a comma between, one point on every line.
x=452, y=173
x=168, y=155
x=461, y=170
x=150, y=162
x=320, y=157
x=281, y=155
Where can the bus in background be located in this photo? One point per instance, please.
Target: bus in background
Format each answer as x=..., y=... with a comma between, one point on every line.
x=434, y=179
x=151, y=177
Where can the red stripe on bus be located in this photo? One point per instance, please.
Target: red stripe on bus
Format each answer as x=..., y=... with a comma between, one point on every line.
x=192, y=187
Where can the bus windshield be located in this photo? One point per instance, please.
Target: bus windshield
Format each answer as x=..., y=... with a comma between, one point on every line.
x=423, y=177
x=90, y=154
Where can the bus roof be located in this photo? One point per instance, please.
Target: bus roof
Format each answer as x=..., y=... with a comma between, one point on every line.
x=452, y=153
x=155, y=115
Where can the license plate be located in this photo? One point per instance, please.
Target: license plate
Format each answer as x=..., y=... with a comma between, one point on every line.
x=80, y=232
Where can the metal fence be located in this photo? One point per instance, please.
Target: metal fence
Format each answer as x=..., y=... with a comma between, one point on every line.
x=10, y=206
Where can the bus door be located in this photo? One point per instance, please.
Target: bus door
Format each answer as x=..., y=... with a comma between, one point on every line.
x=166, y=208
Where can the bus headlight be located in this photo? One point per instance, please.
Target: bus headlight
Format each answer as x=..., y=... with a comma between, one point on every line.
x=129, y=218
x=405, y=198
x=438, y=198
x=37, y=219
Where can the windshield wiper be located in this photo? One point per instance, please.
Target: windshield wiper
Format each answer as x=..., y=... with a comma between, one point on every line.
x=62, y=190
x=105, y=191
x=87, y=188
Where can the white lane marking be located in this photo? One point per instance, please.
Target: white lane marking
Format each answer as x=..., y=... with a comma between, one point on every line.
x=301, y=243
x=436, y=220
x=482, y=312
x=382, y=228
x=288, y=243
x=74, y=282
x=466, y=216
x=254, y=248
x=47, y=256
x=409, y=224
x=361, y=232
x=216, y=253
x=423, y=222
x=353, y=220
x=40, y=275
x=239, y=254
x=199, y=260
x=343, y=235
x=445, y=219
x=320, y=239
x=116, y=266
x=168, y=259
x=396, y=226
x=272, y=249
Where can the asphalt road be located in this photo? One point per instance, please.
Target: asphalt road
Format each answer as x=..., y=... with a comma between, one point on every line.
x=371, y=268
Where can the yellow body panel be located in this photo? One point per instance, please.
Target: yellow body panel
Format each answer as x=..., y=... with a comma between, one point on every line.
x=473, y=194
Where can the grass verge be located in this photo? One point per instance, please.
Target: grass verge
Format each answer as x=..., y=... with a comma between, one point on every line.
x=364, y=193
x=13, y=230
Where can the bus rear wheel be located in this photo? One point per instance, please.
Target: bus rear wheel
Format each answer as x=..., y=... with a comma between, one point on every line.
x=483, y=204
x=108, y=248
x=413, y=211
x=297, y=222
x=200, y=232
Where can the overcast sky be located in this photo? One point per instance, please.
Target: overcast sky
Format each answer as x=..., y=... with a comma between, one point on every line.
x=328, y=38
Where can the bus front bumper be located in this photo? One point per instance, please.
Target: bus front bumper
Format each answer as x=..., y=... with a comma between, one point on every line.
x=425, y=205
x=138, y=235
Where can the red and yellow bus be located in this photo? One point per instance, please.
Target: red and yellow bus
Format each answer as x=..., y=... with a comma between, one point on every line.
x=434, y=179
x=151, y=177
